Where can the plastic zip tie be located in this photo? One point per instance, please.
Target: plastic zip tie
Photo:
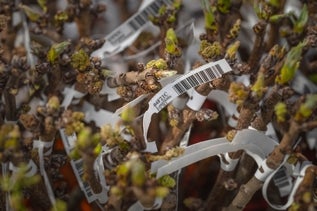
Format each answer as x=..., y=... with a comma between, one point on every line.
x=201, y=75
x=127, y=32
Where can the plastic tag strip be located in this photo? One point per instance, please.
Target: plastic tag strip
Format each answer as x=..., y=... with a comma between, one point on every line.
x=256, y=144
x=194, y=78
x=40, y=145
x=77, y=165
x=127, y=32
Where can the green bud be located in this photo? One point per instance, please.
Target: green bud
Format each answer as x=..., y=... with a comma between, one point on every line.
x=56, y=50
x=80, y=60
x=167, y=181
x=291, y=64
x=280, y=110
x=138, y=173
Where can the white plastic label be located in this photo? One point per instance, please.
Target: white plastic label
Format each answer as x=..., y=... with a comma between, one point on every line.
x=194, y=78
x=40, y=145
x=127, y=32
x=77, y=165
x=256, y=144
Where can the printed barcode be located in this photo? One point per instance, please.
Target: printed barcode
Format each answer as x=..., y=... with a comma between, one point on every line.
x=78, y=165
x=198, y=78
x=88, y=190
x=139, y=20
x=136, y=22
x=282, y=181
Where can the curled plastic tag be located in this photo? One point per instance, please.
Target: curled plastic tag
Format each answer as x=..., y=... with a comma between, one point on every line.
x=256, y=144
x=127, y=32
x=201, y=75
x=69, y=94
x=31, y=166
x=100, y=117
x=299, y=175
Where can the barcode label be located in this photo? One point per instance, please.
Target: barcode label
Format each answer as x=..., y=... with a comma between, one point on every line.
x=77, y=165
x=136, y=22
x=283, y=181
x=167, y=94
x=194, y=78
x=198, y=78
x=78, y=168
